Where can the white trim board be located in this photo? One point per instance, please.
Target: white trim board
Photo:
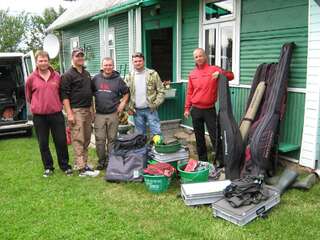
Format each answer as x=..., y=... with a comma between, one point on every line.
x=310, y=137
x=178, y=43
x=138, y=30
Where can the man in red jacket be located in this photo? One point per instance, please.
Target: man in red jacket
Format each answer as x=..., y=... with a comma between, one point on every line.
x=201, y=99
x=42, y=92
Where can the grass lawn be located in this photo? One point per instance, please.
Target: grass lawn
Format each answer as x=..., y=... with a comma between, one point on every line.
x=61, y=207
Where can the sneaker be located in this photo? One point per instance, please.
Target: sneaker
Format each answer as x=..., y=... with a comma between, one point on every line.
x=47, y=173
x=68, y=172
x=87, y=171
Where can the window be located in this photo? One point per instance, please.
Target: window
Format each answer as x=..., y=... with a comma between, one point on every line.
x=218, y=10
x=112, y=45
x=74, y=43
x=219, y=34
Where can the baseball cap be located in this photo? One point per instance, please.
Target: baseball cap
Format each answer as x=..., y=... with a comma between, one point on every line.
x=77, y=51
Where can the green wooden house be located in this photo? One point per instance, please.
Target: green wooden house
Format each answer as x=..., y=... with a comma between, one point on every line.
x=237, y=35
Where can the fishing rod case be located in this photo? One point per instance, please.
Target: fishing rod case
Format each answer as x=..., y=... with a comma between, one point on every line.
x=229, y=132
x=263, y=133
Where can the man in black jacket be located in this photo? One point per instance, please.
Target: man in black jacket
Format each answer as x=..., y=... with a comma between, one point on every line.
x=76, y=93
x=111, y=95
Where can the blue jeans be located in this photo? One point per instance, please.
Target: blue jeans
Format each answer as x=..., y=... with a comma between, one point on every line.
x=144, y=116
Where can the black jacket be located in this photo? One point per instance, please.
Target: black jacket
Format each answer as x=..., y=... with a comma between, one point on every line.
x=76, y=87
x=108, y=91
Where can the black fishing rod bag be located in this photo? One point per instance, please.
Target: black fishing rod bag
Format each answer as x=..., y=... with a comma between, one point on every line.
x=263, y=133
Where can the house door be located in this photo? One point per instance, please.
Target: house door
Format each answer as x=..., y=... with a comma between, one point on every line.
x=159, y=52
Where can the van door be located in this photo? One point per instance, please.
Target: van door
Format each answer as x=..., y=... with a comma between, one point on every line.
x=29, y=62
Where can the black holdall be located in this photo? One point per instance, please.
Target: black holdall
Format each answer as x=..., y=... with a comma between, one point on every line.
x=128, y=158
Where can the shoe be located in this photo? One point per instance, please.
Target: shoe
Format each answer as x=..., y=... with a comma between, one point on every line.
x=101, y=167
x=47, y=173
x=87, y=171
x=68, y=172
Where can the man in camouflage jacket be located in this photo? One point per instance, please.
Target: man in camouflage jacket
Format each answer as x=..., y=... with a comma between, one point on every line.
x=146, y=95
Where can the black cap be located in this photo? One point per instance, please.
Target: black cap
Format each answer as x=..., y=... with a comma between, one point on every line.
x=77, y=51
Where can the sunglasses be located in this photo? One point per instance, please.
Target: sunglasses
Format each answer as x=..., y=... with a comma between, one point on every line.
x=140, y=55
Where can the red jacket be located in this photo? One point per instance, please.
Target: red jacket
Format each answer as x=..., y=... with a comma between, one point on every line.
x=43, y=95
x=202, y=87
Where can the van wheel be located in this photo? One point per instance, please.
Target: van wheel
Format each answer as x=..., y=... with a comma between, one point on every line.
x=28, y=133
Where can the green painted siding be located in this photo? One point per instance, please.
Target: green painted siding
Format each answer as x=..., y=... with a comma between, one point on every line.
x=88, y=33
x=265, y=27
x=189, y=35
x=120, y=24
x=171, y=108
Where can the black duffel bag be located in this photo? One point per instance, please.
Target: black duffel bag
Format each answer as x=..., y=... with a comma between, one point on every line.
x=130, y=141
x=126, y=165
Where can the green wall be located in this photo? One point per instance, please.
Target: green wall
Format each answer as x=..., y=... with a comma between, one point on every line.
x=265, y=27
x=120, y=24
x=189, y=35
x=88, y=33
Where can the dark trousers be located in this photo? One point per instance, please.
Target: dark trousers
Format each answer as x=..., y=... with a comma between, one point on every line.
x=199, y=118
x=55, y=123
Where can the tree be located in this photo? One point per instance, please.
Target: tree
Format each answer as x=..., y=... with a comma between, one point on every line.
x=12, y=30
x=37, y=26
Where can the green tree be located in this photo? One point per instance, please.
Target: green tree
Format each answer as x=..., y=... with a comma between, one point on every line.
x=37, y=30
x=12, y=30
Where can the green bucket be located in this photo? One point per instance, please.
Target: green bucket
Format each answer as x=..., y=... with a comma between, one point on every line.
x=192, y=177
x=156, y=183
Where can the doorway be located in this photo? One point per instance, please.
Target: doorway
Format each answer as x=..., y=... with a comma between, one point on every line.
x=160, y=52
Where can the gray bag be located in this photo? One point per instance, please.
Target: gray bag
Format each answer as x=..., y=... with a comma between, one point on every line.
x=126, y=165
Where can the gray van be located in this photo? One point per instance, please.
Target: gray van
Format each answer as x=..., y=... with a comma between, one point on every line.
x=15, y=117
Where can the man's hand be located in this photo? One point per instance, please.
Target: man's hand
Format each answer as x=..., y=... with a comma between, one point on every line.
x=215, y=74
x=71, y=119
x=121, y=107
x=93, y=116
x=131, y=112
x=186, y=114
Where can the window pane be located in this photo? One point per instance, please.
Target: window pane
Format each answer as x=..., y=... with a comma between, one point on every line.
x=111, y=39
x=111, y=53
x=210, y=45
x=226, y=47
x=217, y=9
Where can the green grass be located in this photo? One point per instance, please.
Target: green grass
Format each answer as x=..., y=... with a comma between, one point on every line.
x=61, y=207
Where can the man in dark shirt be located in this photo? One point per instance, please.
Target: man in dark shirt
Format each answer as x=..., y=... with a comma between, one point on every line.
x=42, y=92
x=76, y=93
x=111, y=95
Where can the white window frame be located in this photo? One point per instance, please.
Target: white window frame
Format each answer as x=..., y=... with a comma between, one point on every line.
x=72, y=40
x=233, y=21
x=111, y=30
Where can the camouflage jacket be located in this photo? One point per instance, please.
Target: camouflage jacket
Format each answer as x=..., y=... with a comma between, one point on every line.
x=155, y=89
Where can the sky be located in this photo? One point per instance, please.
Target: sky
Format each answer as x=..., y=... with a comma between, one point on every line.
x=32, y=6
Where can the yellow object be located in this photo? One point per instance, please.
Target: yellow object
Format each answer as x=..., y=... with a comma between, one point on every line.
x=157, y=139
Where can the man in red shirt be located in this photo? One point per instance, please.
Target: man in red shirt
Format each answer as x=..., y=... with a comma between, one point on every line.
x=201, y=99
x=42, y=92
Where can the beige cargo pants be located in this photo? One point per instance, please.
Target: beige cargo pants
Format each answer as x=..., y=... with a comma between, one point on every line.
x=81, y=135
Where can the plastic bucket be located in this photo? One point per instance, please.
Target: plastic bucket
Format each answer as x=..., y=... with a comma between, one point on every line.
x=191, y=177
x=156, y=183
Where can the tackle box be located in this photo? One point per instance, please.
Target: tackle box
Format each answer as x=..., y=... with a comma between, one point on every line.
x=181, y=154
x=245, y=214
x=203, y=193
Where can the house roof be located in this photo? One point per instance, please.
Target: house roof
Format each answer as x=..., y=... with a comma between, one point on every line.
x=84, y=9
